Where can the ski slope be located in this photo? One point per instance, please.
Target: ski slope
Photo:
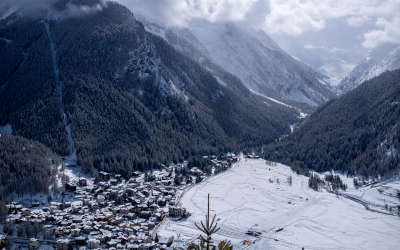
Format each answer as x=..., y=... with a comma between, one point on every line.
x=245, y=197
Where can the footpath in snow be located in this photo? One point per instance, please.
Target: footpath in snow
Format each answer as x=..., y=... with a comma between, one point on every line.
x=255, y=194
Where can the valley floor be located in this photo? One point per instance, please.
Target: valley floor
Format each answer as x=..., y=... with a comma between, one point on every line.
x=249, y=195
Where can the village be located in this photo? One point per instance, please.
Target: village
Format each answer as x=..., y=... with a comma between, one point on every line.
x=114, y=213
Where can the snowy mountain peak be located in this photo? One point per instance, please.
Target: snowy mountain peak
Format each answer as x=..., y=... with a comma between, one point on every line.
x=250, y=55
x=376, y=61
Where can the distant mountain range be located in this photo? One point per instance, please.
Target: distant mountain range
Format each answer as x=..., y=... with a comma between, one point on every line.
x=101, y=86
x=252, y=56
x=375, y=62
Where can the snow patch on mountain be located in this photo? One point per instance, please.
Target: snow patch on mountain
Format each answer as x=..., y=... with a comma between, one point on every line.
x=9, y=12
x=6, y=129
x=256, y=60
x=250, y=55
x=60, y=91
x=376, y=61
x=391, y=62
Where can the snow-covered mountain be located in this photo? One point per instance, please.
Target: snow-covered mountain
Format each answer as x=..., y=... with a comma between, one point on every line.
x=332, y=51
x=252, y=56
x=375, y=62
x=112, y=90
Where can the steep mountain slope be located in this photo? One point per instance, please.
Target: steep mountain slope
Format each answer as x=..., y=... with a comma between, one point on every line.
x=359, y=131
x=252, y=56
x=121, y=96
x=376, y=61
x=25, y=166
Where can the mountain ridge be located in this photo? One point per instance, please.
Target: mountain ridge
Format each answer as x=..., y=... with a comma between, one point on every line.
x=251, y=56
x=131, y=99
x=376, y=61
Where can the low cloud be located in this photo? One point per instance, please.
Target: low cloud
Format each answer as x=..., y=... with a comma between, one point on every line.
x=181, y=12
x=74, y=11
x=357, y=21
x=389, y=32
x=290, y=17
x=45, y=8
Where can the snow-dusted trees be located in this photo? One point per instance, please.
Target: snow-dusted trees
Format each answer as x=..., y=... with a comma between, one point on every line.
x=25, y=166
x=358, y=132
x=335, y=181
x=290, y=180
x=122, y=118
x=315, y=182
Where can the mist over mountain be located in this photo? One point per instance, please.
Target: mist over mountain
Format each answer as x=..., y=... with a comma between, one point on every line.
x=333, y=51
x=375, y=62
x=121, y=96
x=250, y=55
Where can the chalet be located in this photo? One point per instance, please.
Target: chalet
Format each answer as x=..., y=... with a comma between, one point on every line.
x=26, y=211
x=104, y=176
x=100, y=199
x=124, y=210
x=80, y=240
x=87, y=229
x=140, y=196
x=75, y=232
x=135, y=174
x=177, y=211
x=145, y=214
x=146, y=192
x=69, y=186
x=64, y=244
x=195, y=171
x=93, y=243
x=35, y=204
x=114, y=181
x=82, y=181
x=18, y=208
x=34, y=244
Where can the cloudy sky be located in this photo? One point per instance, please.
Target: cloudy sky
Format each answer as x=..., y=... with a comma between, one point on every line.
x=286, y=17
x=379, y=19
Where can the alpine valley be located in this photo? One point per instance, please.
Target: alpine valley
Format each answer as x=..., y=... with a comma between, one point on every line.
x=121, y=131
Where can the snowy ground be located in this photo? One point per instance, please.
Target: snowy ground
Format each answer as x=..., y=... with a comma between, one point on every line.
x=244, y=197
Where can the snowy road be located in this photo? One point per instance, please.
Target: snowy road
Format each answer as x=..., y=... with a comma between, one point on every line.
x=249, y=195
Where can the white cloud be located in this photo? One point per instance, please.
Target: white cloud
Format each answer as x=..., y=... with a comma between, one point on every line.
x=356, y=21
x=291, y=17
x=180, y=12
x=45, y=8
x=389, y=33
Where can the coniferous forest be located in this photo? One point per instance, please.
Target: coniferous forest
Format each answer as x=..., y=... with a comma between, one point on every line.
x=25, y=166
x=131, y=99
x=133, y=102
x=358, y=132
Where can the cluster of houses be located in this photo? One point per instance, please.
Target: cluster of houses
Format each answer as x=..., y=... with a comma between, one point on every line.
x=114, y=214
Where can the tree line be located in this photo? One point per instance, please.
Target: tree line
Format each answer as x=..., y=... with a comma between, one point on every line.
x=358, y=133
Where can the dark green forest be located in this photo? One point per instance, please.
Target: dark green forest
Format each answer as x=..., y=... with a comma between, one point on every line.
x=132, y=100
x=358, y=132
x=25, y=166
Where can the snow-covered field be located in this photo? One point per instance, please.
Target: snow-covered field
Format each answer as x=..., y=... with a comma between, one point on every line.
x=249, y=195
